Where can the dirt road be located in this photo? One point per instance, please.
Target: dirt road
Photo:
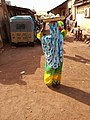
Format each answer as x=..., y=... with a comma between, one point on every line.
x=26, y=97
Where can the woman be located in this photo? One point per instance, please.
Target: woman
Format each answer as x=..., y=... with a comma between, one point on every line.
x=52, y=46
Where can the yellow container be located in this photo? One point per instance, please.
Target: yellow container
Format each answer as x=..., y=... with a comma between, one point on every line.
x=39, y=35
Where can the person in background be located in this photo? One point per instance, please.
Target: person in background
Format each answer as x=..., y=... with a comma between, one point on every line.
x=74, y=25
x=52, y=46
x=68, y=22
x=65, y=26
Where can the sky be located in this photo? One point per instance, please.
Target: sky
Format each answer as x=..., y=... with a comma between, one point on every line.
x=37, y=5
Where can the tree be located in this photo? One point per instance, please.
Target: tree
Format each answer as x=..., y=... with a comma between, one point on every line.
x=6, y=18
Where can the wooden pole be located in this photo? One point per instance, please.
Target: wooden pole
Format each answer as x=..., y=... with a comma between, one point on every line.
x=6, y=19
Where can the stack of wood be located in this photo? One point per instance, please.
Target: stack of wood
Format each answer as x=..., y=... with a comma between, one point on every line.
x=53, y=19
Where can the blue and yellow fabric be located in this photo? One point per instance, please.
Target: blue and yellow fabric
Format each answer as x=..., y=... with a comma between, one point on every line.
x=52, y=46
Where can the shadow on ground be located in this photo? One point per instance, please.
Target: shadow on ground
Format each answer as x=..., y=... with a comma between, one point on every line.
x=78, y=58
x=14, y=61
x=74, y=93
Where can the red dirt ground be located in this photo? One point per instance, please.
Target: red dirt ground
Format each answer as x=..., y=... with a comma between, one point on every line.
x=26, y=97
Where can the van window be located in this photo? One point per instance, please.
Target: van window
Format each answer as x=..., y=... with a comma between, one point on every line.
x=20, y=26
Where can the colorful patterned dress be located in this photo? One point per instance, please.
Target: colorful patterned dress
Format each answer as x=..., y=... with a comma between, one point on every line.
x=52, y=46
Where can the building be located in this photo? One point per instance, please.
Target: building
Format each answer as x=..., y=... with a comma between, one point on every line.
x=12, y=11
x=82, y=14
x=63, y=9
x=80, y=10
x=8, y=2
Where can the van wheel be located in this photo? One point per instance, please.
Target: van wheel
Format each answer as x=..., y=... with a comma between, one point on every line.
x=14, y=44
x=31, y=44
